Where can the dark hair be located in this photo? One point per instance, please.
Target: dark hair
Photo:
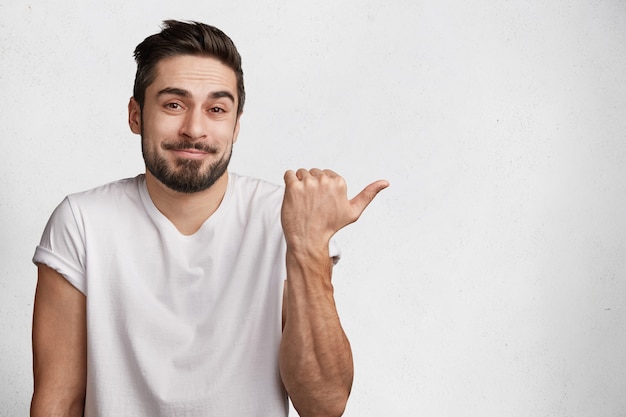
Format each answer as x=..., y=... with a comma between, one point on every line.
x=185, y=38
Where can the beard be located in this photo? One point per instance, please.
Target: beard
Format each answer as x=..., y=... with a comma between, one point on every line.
x=187, y=175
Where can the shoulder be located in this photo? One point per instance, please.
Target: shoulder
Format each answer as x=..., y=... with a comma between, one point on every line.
x=108, y=194
x=255, y=190
x=102, y=204
x=253, y=198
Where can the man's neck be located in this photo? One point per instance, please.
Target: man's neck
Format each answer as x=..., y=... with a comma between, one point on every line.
x=187, y=212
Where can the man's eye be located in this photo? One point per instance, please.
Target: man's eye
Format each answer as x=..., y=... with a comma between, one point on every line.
x=173, y=106
x=216, y=110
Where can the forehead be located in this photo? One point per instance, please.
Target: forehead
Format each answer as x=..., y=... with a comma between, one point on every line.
x=197, y=74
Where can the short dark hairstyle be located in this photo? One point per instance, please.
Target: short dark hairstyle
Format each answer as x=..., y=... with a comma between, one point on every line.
x=185, y=38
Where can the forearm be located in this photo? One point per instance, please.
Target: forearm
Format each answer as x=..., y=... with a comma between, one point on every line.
x=53, y=395
x=49, y=404
x=315, y=356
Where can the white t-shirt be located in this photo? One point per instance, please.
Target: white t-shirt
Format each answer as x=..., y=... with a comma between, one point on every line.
x=177, y=325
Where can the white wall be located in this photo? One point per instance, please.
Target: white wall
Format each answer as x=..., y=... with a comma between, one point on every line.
x=489, y=280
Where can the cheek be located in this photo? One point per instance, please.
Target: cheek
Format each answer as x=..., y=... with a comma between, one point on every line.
x=161, y=127
x=224, y=132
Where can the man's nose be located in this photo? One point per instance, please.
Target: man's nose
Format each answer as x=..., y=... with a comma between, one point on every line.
x=194, y=124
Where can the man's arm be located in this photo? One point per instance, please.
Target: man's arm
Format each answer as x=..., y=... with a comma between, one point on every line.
x=315, y=356
x=59, y=347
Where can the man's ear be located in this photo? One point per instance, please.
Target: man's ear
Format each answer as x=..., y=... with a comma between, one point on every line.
x=236, y=132
x=134, y=116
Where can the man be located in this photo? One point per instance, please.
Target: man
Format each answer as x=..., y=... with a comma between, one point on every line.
x=189, y=290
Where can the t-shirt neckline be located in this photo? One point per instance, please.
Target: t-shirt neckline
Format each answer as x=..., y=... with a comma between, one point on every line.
x=165, y=223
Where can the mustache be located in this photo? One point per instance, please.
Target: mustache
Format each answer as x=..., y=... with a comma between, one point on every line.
x=190, y=145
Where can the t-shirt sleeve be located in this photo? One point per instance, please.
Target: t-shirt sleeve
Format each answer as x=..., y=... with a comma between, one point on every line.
x=62, y=246
x=334, y=251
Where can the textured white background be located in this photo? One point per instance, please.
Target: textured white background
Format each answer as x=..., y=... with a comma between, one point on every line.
x=489, y=280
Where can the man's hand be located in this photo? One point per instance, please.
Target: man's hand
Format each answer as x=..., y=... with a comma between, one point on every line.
x=316, y=206
x=315, y=358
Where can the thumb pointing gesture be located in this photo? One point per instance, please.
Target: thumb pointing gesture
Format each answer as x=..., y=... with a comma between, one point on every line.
x=315, y=205
x=366, y=196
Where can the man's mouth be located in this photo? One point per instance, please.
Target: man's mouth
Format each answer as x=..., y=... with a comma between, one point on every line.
x=190, y=149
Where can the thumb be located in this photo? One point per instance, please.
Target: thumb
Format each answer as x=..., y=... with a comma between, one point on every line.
x=366, y=196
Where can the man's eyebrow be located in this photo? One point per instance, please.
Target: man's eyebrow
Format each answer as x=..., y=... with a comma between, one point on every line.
x=220, y=94
x=174, y=91
x=184, y=93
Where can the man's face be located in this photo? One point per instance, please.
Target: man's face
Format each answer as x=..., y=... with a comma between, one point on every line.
x=189, y=122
